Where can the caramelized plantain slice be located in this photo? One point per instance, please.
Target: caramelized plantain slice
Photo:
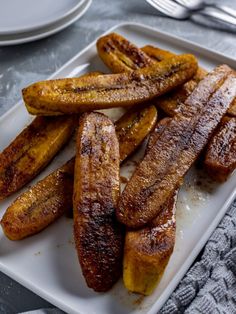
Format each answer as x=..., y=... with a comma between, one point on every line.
x=148, y=250
x=157, y=54
x=42, y=204
x=120, y=55
x=54, y=192
x=32, y=150
x=75, y=95
x=162, y=169
x=171, y=103
x=98, y=236
x=133, y=127
x=220, y=159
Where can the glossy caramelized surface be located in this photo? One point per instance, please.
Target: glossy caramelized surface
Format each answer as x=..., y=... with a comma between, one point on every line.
x=147, y=251
x=48, y=199
x=76, y=95
x=120, y=55
x=98, y=235
x=32, y=150
x=42, y=204
x=133, y=127
x=220, y=159
x=165, y=164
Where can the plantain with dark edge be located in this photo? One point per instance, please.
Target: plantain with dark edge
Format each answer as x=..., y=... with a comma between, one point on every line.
x=98, y=236
x=171, y=103
x=120, y=55
x=163, y=167
x=51, y=197
x=41, y=205
x=32, y=150
x=147, y=251
x=133, y=127
x=76, y=95
x=220, y=158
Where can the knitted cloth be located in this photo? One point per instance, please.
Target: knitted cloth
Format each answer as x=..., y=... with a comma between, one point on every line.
x=210, y=285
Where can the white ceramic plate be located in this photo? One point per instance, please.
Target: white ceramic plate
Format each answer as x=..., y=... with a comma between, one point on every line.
x=7, y=40
x=27, y=15
x=47, y=263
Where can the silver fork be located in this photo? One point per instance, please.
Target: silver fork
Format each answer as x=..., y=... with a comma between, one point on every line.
x=200, y=4
x=177, y=11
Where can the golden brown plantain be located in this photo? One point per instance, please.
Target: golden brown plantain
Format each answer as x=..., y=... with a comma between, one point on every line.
x=120, y=55
x=162, y=170
x=220, y=159
x=75, y=95
x=98, y=236
x=42, y=204
x=157, y=54
x=171, y=102
x=32, y=150
x=55, y=192
x=133, y=127
x=148, y=250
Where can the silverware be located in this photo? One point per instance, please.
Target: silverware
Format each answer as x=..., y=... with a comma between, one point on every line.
x=200, y=4
x=177, y=11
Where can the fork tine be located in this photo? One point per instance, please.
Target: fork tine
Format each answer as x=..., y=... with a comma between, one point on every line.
x=167, y=3
x=170, y=8
x=159, y=6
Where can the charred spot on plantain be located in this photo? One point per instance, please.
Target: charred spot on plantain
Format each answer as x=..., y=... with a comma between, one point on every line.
x=86, y=147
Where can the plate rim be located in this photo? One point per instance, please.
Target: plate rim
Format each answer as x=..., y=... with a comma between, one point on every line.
x=190, y=259
x=26, y=29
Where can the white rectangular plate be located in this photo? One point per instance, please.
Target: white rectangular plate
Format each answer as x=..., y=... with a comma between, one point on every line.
x=47, y=263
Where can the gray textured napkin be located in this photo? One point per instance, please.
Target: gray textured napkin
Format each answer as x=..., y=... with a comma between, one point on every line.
x=210, y=285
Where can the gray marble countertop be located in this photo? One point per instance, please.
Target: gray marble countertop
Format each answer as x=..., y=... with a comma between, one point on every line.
x=24, y=64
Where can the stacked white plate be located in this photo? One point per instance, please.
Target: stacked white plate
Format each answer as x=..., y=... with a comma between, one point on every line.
x=27, y=20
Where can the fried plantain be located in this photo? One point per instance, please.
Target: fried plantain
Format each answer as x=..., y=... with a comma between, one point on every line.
x=220, y=159
x=171, y=102
x=148, y=250
x=54, y=192
x=32, y=150
x=120, y=55
x=162, y=170
x=42, y=204
x=157, y=54
x=133, y=127
x=98, y=236
x=76, y=95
